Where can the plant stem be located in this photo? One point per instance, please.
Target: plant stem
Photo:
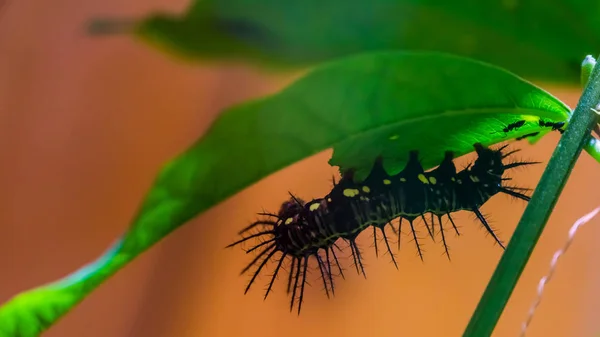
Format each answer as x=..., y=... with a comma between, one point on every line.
x=536, y=213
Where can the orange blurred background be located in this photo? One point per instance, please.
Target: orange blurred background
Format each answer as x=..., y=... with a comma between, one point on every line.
x=86, y=123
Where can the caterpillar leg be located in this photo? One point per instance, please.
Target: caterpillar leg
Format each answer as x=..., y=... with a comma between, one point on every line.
x=443, y=237
x=453, y=225
x=299, y=269
x=385, y=239
x=357, y=258
x=399, y=231
x=337, y=262
x=281, y=259
x=272, y=252
x=513, y=192
x=329, y=273
x=416, y=239
x=324, y=271
x=387, y=244
x=487, y=226
x=303, y=284
x=375, y=241
x=429, y=230
x=250, y=237
x=291, y=275
x=521, y=163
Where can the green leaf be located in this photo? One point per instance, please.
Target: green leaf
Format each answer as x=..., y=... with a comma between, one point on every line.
x=533, y=38
x=357, y=106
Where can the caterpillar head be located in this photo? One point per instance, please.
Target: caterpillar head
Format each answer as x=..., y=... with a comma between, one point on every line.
x=290, y=208
x=489, y=162
x=300, y=223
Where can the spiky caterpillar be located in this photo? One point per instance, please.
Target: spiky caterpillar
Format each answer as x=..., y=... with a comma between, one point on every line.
x=301, y=230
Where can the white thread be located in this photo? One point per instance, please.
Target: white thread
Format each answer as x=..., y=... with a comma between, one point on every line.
x=553, y=263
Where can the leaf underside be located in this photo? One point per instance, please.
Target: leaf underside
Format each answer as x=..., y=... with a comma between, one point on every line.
x=384, y=103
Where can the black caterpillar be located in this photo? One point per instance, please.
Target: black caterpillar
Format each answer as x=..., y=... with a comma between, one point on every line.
x=301, y=230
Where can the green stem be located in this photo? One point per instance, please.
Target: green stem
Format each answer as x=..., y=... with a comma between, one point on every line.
x=536, y=213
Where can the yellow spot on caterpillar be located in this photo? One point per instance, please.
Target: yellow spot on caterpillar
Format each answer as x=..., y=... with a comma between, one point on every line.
x=314, y=206
x=394, y=137
x=328, y=199
x=452, y=179
x=474, y=179
x=423, y=179
x=403, y=180
x=432, y=180
x=366, y=189
x=351, y=192
x=387, y=181
x=288, y=221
